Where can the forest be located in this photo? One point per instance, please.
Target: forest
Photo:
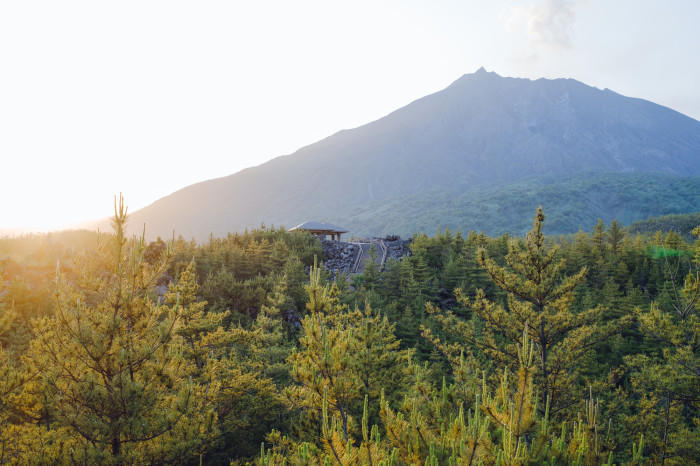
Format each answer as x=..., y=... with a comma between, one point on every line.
x=472, y=350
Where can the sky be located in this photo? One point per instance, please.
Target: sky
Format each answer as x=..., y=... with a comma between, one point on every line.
x=146, y=97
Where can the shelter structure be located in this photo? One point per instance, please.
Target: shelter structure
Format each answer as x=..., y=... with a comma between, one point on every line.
x=321, y=229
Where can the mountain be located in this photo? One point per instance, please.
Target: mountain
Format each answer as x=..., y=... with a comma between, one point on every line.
x=480, y=139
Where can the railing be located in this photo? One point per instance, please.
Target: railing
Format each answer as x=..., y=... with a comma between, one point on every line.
x=360, y=253
x=384, y=252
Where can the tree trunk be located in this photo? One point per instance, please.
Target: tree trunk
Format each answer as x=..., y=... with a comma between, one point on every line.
x=543, y=361
x=666, y=421
x=116, y=449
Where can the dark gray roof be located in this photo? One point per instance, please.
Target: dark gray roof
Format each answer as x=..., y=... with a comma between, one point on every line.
x=319, y=226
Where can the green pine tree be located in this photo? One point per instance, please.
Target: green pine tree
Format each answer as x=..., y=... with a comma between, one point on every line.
x=539, y=299
x=113, y=381
x=669, y=385
x=616, y=237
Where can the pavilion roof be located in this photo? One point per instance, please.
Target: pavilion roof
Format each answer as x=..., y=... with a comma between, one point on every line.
x=318, y=226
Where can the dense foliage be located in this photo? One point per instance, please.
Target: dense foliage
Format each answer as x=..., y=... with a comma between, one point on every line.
x=684, y=224
x=572, y=203
x=471, y=350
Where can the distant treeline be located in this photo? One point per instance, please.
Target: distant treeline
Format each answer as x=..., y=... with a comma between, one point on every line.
x=682, y=224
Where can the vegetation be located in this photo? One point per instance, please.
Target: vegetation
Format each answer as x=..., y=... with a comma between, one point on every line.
x=472, y=350
x=683, y=224
x=572, y=203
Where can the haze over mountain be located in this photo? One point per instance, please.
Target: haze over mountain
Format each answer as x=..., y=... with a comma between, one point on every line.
x=462, y=148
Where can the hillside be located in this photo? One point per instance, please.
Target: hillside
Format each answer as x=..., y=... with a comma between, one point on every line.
x=571, y=204
x=684, y=224
x=481, y=136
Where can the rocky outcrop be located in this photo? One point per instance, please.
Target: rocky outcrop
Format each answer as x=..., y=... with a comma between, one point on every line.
x=397, y=248
x=339, y=256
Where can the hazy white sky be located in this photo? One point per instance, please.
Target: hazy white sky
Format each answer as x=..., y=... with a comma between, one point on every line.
x=146, y=97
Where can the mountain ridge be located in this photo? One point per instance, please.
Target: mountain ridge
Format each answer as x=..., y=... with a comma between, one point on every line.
x=483, y=129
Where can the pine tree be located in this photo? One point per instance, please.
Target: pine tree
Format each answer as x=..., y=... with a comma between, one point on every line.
x=371, y=449
x=515, y=413
x=370, y=274
x=438, y=426
x=378, y=360
x=200, y=331
x=423, y=277
x=616, y=237
x=264, y=347
x=323, y=364
x=344, y=356
x=296, y=279
x=13, y=377
x=670, y=386
x=112, y=379
x=409, y=289
x=237, y=402
x=600, y=239
x=539, y=300
x=456, y=272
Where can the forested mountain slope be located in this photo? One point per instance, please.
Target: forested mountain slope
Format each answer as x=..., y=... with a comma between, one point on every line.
x=574, y=203
x=483, y=131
